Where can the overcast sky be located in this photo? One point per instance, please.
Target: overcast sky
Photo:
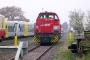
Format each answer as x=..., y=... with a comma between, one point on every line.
x=61, y=7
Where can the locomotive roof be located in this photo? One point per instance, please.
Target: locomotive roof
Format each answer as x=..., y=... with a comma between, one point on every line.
x=48, y=12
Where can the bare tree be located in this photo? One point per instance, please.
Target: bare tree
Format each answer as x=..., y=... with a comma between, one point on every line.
x=88, y=17
x=76, y=19
x=88, y=20
x=11, y=12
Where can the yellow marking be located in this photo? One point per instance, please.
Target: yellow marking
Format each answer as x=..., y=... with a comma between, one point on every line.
x=70, y=34
x=15, y=41
x=36, y=39
x=6, y=28
x=25, y=29
x=55, y=39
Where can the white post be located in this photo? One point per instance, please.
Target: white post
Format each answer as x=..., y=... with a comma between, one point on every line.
x=19, y=50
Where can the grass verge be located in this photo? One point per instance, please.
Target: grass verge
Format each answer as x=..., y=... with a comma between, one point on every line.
x=85, y=57
x=64, y=53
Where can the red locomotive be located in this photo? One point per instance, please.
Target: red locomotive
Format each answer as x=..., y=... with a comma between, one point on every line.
x=47, y=28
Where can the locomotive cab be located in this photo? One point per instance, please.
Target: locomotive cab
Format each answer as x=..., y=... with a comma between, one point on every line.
x=47, y=28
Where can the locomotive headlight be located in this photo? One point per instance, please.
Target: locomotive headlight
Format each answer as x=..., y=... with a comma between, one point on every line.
x=36, y=26
x=56, y=28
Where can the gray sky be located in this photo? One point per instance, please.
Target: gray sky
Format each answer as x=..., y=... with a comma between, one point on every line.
x=61, y=7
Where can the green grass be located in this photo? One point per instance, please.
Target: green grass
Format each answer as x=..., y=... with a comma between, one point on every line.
x=64, y=53
x=68, y=39
x=85, y=57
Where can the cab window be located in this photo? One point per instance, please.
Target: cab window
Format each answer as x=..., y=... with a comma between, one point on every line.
x=46, y=15
x=51, y=16
x=56, y=18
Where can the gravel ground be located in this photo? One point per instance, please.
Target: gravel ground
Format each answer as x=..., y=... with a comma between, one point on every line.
x=53, y=51
x=6, y=55
x=9, y=56
x=33, y=55
x=49, y=56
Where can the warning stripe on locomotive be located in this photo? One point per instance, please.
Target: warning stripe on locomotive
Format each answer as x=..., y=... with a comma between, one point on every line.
x=36, y=39
x=55, y=39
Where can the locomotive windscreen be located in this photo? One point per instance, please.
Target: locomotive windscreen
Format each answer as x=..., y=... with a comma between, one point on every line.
x=46, y=15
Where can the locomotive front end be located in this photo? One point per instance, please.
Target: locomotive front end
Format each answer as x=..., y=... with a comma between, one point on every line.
x=47, y=28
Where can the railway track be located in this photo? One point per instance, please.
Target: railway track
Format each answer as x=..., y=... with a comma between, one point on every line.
x=28, y=51
x=5, y=43
x=37, y=53
x=11, y=41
